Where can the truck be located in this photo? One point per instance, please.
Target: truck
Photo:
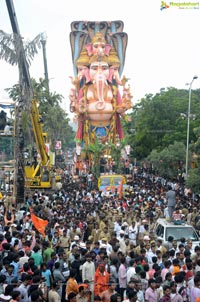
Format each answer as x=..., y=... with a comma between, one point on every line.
x=39, y=174
x=111, y=182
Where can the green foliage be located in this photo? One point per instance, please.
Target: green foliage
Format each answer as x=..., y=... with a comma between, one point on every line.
x=61, y=129
x=94, y=152
x=157, y=121
x=169, y=161
x=158, y=133
x=7, y=47
x=7, y=147
x=14, y=92
x=115, y=152
x=193, y=180
x=56, y=121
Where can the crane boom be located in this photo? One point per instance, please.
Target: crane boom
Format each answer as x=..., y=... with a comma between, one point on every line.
x=39, y=135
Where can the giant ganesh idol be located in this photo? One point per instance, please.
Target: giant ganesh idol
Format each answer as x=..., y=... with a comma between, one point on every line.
x=98, y=53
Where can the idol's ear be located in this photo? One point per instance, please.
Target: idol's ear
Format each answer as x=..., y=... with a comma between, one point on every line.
x=89, y=49
x=107, y=49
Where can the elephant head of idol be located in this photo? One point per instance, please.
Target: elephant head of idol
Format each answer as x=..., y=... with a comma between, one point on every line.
x=98, y=46
x=99, y=74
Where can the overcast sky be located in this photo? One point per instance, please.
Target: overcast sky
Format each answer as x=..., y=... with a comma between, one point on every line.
x=163, y=45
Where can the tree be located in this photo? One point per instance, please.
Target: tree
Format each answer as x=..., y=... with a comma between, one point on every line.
x=115, y=152
x=8, y=50
x=193, y=179
x=168, y=162
x=93, y=152
x=158, y=123
x=51, y=113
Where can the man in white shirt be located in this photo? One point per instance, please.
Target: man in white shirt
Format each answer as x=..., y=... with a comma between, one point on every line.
x=104, y=244
x=131, y=270
x=88, y=271
x=133, y=231
x=117, y=227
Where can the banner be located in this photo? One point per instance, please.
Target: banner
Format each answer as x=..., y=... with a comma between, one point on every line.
x=58, y=145
x=11, y=106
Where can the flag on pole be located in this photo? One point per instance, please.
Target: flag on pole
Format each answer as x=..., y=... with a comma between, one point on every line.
x=38, y=223
x=121, y=189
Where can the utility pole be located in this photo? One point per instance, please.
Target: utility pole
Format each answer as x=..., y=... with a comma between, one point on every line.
x=43, y=42
x=23, y=104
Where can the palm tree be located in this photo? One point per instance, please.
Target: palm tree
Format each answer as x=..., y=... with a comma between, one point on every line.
x=8, y=50
x=16, y=52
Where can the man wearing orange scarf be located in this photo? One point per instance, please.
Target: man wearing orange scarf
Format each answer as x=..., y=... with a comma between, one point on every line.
x=101, y=279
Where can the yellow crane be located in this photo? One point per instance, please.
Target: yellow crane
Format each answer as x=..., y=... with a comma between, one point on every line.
x=40, y=174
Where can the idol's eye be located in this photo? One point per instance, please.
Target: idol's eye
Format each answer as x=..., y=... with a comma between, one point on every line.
x=94, y=67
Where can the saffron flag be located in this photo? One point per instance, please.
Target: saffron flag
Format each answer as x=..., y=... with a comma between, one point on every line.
x=38, y=223
x=121, y=189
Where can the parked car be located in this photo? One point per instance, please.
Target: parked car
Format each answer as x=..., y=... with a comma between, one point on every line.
x=163, y=229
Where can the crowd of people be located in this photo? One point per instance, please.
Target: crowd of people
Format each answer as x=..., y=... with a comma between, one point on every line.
x=99, y=247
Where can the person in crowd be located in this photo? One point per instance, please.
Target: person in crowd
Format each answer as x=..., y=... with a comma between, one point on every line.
x=72, y=213
x=47, y=275
x=151, y=294
x=175, y=296
x=82, y=294
x=101, y=279
x=88, y=270
x=16, y=295
x=138, y=288
x=59, y=278
x=72, y=285
x=122, y=275
x=72, y=297
x=7, y=295
x=171, y=201
x=36, y=256
x=23, y=288
x=53, y=295
x=105, y=295
x=132, y=296
x=166, y=294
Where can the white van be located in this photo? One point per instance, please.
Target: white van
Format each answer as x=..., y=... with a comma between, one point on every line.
x=163, y=229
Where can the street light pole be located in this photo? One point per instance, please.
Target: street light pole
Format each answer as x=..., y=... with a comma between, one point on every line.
x=188, y=126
